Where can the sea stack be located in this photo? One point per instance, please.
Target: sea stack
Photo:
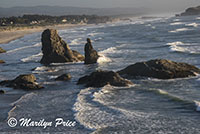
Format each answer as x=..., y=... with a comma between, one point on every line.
x=55, y=50
x=91, y=55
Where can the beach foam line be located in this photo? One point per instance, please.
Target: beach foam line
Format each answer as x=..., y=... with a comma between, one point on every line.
x=32, y=57
x=25, y=47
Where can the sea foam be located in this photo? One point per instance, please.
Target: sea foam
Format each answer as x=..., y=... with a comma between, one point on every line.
x=175, y=46
x=176, y=23
x=35, y=57
x=192, y=24
x=179, y=30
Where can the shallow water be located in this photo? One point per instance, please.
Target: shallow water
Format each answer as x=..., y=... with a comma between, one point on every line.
x=150, y=106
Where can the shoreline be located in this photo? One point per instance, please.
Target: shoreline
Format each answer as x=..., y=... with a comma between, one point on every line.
x=19, y=32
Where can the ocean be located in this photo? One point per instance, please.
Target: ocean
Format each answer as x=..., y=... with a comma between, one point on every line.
x=150, y=106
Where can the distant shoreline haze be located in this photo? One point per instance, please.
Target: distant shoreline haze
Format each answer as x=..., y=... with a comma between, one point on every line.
x=61, y=10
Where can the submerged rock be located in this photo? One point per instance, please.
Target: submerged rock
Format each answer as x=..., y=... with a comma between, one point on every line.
x=26, y=82
x=161, y=69
x=2, y=92
x=1, y=61
x=55, y=50
x=64, y=77
x=91, y=55
x=2, y=50
x=101, y=78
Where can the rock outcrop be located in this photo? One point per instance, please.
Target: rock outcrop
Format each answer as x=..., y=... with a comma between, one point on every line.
x=26, y=82
x=2, y=92
x=55, y=50
x=101, y=78
x=1, y=61
x=161, y=69
x=64, y=77
x=91, y=55
x=2, y=50
x=191, y=11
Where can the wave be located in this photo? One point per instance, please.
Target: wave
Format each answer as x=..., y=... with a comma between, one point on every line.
x=21, y=48
x=182, y=47
x=15, y=104
x=192, y=24
x=198, y=18
x=197, y=103
x=179, y=30
x=178, y=49
x=92, y=113
x=175, y=43
x=176, y=20
x=45, y=69
x=174, y=46
x=93, y=34
x=109, y=50
x=192, y=104
x=76, y=41
x=98, y=39
x=32, y=57
x=103, y=59
x=176, y=23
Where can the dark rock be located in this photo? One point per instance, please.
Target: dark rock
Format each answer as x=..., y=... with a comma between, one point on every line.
x=2, y=92
x=78, y=55
x=64, y=77
x=55, y=50
x=101, y=78
x=26, y=82
x=191, y=11
x=160, y=68
x=1, y=61
x=91, y=55
x=2, y=50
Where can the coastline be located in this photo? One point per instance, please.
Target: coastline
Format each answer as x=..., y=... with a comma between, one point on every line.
x=18, y=32
x=7, y=36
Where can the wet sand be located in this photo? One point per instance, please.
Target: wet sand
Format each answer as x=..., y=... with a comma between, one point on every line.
x=15, y=33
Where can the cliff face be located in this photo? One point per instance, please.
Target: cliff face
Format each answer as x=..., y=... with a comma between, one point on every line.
x=191, y=11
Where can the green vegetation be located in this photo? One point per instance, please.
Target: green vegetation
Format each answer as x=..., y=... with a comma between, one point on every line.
x=42, y=20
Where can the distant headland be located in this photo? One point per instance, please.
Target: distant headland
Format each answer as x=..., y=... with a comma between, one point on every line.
x=190, y=11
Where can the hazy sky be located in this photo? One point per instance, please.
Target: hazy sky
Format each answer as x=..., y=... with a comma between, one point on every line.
x=154, y=4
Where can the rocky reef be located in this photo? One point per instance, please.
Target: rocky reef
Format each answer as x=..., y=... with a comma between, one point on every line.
x=101, y=78
x=26, y=82
x=161, y=69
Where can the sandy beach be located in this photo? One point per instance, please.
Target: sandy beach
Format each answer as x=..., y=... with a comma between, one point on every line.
x=15, y=33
